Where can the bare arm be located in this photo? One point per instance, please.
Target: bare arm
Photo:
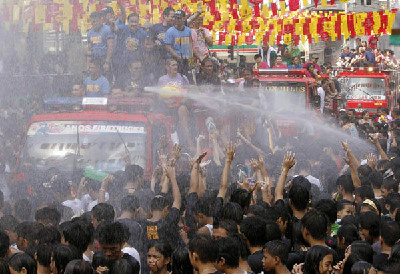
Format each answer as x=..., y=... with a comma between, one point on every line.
x=104, y=186
x=248, y=142
x=122, y=16
x=170, y=171
x=378, y=146
x=350, y=154
x=230, y=154
x=354, y=174
x=110, y=49
x=194, y=175
x=288, y=162
x=172, y=52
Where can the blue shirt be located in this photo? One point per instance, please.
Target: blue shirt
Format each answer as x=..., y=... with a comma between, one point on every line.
x=370, y=56
x=98, y=40
x=96, y=88
x=159, y=30
x=128, y=43
x=181, y=41
x=293, y=67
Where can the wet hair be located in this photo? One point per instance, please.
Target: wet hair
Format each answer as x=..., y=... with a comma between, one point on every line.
x=126, y=266
x=340, y=204
x=103, y=212
x=29, y=231
x=78, y=266
x=299, y=195
x=232, y=211
x=111, y=233
x=257, y=56
x=316, y=224
x=349, y=233
x=277, y=248
x=43, y=254
x=371, y=222
x=167, y=11
x=328, y=207
x=229, y=225
x=132, y=15
x=255, y=230
x=376, y=179
x=180, y=261
x=257, y=210
x=364, y=170
x=158, y=203
x=22, y=260
x=229, y=250
x=79, y=233
x=243, y=248
x=272, y=231
x=391, y=184
x=63, y=254
x=4, y=267
x=390, y=232
x=129, y=203
x=163, y=247
x=205, y=247
x=362, y=250
x=133, y=172
x=393, y=200
x=346, y=183
x=8, y=222
x=48, y=215
x=365, y=192
x=361, y=267
x=23, y=209
x=241, y=197
x=49, y=235
x=204, y=206
x=313, y=258
x=395, y=254
x=349, y=219
x=4, y=244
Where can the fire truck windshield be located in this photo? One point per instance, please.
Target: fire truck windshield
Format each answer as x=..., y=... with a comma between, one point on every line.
x=362, y=88
x=287, y=95
x=69, y=145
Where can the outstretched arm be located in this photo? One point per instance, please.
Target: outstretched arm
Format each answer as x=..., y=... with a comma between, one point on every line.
x=229, y=155
x=288, y=162
x=170, y=171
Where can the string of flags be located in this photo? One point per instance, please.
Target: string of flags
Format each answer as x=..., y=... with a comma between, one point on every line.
x=251, y=22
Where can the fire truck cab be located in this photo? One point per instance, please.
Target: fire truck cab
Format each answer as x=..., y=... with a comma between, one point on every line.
x=367, y=89
x=76, y=133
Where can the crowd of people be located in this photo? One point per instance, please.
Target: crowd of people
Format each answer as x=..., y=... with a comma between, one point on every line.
x=267, y=203
x=366, y=54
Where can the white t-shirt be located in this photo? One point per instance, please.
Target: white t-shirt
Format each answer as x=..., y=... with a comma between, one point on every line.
x=321, y=93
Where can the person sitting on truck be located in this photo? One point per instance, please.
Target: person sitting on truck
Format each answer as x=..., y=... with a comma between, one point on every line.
x=173, y=78
x=295, y=63
x=370, y=56
x=311, y=71
x=134, y=83
x=314, y=61
x=96, y=85
x=247, y=76
x=208, y=74
x=259, y=64
x=278, y=63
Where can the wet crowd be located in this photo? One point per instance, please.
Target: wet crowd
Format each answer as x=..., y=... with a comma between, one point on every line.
x=265, y=202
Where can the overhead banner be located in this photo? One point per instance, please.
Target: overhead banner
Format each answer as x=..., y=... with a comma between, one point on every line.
x=251, y=22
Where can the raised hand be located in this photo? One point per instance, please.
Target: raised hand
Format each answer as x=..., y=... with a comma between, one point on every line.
x=345, y=146
x=163, y=159
x=372, y=160
x=176, y=152
x=170, y=171
x=230, y=151
x=289, y=160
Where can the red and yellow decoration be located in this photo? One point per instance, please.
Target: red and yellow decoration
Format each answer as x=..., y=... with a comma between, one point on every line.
x=249, y=23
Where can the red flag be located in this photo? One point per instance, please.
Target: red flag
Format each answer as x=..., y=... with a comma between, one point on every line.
x=294, y=5
x=274, y=9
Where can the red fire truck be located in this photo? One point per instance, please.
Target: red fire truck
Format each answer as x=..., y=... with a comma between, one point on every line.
x=368, y=89
x=92, y=132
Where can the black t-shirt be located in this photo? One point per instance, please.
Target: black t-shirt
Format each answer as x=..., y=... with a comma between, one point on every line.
x=380, y=261
x=136, y=233
x=100, y=260
x=255, y=261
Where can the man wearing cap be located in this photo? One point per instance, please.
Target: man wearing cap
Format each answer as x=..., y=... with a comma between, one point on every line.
x=100, y=40
x=314, y=60
x=178, y=41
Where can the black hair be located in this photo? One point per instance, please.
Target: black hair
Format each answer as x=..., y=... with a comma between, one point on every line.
x=391, y=184
x=346, y=183
x=129, y=203
x=4, y=267
x=365, y=192
x=313, y=257
x=371, y=222
x=241, y=197
x=395, y=254
x=79, y=233
x=180, y=261
x=277, y=248
x=63, y=254
x=8, y=222
x=204, y=206
x=111, y=233
x=376, y=179
x=232, y=211
x=163, y=247
x=132, y=15
x=361, y=267
x=243, y=248
x=328, y=207
x=95, y=15
x=364, y=170
x=229, y=225
x=126, y=266
x=257, y=210
x=29, y=231
x=158, y=203
x=43, y=254
x=48, y=215
x=299, y=195
x=4, y=244
x=340, y=204
x=49, y=235
x=254, y=229
x=167, y=11
x=393, y=200
x=349, y=219
x=23, y=209
x=78, y=266
x=205, y=247
x=348, y=232
x=316, y=224
x=390, y=232
x=103, y=212
x=384, y=164
x=229, y=250
x=133, y=172
x=257, y=56
x=272, y=231
x=22, y=260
